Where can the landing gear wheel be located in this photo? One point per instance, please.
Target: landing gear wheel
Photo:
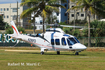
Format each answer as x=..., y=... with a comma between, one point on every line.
x=42, y=53
x=58, y=52
x=77, y=53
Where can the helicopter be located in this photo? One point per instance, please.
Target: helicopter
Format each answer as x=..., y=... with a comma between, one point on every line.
x=54, y=39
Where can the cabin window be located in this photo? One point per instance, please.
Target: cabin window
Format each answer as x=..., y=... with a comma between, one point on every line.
x=71, y=41
x=63, y=41
x=82, y=15
x=52, y=41
x=57, y=41
x=77, y=40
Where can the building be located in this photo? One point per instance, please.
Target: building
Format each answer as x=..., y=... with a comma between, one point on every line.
x=64, y=16
x=9, y=12
x=73, y=15
x=78, y=14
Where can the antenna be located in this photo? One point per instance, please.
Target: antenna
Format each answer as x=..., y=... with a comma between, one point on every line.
x=17, y=14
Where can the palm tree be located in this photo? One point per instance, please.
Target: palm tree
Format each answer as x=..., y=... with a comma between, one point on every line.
x=41, y=7
x=91, y=7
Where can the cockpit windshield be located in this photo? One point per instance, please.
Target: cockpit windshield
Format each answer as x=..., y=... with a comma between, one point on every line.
x=72, y=41
x=77, y=40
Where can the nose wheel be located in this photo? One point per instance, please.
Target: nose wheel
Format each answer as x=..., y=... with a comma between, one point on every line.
x=58, y=52
x=42, y=52
x=77, y=53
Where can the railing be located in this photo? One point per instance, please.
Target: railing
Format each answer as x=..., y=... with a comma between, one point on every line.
x=95, y=41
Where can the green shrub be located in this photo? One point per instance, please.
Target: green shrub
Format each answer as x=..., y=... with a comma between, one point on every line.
x=10, y=30
x=72, y=31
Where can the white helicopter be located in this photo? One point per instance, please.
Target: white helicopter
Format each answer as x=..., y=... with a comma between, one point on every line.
x=54, y=39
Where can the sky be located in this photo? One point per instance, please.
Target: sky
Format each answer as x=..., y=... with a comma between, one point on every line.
x=9, y=1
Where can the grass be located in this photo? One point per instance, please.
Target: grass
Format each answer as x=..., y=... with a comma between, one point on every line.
x=20, y=48
x=87, y=60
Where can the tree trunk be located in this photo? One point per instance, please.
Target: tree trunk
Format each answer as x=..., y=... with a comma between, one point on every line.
x=89, y=39
x=49, y=19
x=43, y=26
x=94, y=16
x=34, y=23
x=34, y=27
x=74, y=19
x=86, y=15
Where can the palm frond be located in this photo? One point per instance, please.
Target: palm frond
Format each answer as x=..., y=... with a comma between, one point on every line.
x=27, y=12
x=26, y=2
x=48, y=7
x=64, y=1
x=44, y=13
x=75, y=7
x=57, y=5
x=72, y=0
x=87, y=1
x=79, y=2
x=56, y=1
x=100, y=12
x=92, y=10
x=68, y=10
x=53, y=1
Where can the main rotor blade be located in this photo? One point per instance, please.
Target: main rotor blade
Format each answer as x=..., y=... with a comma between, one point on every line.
x=56, y=25
x=72, y=26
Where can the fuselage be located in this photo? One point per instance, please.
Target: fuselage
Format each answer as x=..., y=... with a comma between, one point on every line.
x=54, y=39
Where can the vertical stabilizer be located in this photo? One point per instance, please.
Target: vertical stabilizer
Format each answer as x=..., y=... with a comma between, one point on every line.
x=15, y=30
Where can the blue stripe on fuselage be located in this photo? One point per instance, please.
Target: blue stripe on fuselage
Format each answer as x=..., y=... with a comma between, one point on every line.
x=66, y=35
x=52, y=37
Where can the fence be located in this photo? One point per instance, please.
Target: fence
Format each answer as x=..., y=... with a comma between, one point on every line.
x=95, y=41
x=6, y=41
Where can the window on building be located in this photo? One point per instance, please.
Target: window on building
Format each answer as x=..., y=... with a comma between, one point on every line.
x=63, y=41
x=65, y=5
x=72, y=6
x=1, y=9
x=72, y=15
x=52, y=41
x=77, y=13
x=7, y=9
x=14, y=9
x=82, y=15
x=57, y=42
x=7, y=16
x=4, y=9
x=4, y=16
x=65, y=14
x=57, y=14
x=14, y=17
x=40, y=21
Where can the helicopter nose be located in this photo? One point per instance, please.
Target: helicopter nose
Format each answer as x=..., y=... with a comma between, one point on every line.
x=79, y=46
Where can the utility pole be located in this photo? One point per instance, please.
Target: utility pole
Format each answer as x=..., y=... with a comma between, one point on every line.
x=10, y=12
x=17, y=14
x=74, y=19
